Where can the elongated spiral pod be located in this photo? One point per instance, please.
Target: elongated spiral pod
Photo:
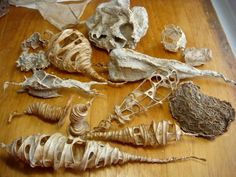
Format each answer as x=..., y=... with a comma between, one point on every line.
x=46, y=112
x=78, y=123
x=59, y=151
x=154, y=134
x=70, y=51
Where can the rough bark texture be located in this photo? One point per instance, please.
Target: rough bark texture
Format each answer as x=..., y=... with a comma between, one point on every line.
x=198, y=113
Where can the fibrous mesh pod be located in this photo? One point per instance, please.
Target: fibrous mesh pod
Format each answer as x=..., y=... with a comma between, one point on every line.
x=154, y=134
x=45, y=85
x=198, y=113
x=78, y=123
x=173, y=38
x=115, y=25
x=144, y=97
x=129, y=65
x=70, y=51
x=197, y=56
x=46, y=112
x=59, y=151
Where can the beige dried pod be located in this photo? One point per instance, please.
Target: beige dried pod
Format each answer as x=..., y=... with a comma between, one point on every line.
x=46, y=112
x=78, y=123
x=70, y=51
x=173, y=38
x=154, y=134
x=58, y=151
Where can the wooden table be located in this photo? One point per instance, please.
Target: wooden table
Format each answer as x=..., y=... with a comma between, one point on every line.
x=198, y=20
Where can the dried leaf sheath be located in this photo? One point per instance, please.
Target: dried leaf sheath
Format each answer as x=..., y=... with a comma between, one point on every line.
x=58, y=151
x=46, y=112
x=154, y=134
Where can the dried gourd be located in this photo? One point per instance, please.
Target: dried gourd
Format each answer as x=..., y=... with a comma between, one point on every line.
x=144, y=97
x=59, y=151
x=154, y=134
x=45, y=85
x=129, y=65
x=70, y=51
x=46, y=112
x=173, y=38
x=198, y=113
x=116, y=25
x=78, y=123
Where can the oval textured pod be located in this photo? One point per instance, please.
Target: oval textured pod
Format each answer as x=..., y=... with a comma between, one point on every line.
x=70, y=51
x=59, y=151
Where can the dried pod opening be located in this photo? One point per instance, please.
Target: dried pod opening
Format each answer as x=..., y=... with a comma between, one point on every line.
x=127, y=30
x=18, y=144
x=83, y=108
x=27, y=149
x=69, y=39
x=44, y=140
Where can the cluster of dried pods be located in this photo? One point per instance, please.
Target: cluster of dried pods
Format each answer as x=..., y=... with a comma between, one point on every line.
x=113, y=27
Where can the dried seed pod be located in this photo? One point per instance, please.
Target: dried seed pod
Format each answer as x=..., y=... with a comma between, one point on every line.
x=198, y=113
x=144, y=97
x=58, y=151
x=45, y=85
x=78, y=123
x=197, y=56
x=46, y=111
x=70, y=51
x=173, y=38
x=129, y=65
x=154, y=134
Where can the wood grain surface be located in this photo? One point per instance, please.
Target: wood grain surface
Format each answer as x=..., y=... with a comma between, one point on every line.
x=201, y=26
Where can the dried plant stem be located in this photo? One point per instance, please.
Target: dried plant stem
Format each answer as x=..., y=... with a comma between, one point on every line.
x=46, y=112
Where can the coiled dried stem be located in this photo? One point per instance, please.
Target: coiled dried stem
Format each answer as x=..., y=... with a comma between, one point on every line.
x=59, y=151
x=46, y=112
x=154, y=134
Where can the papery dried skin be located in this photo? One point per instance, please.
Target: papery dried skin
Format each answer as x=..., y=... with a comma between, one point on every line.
x=115, y=25
x=58, y=151
x=45, y=85
x=46, y=112
x=34, y=41
x=197, y=56
x=154, y=134
x=173, y=38
x=30, y=61
x=129, y=65
x=198, y=113
x=144, y=97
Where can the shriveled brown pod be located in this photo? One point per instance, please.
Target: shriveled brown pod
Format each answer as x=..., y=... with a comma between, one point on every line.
x=154, y=134
x=70, y=51
x=46, y=112
x=78, y=123
x=59, y=151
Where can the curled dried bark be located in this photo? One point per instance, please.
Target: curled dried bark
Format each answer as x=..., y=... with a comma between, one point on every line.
x=197, y=56
x=115, y=25
x=45, y=85
x=70, y=51
x=128, y=65
x=154, y=134
x=173, y=38
x=78, y=123
x=144, y=97
x=59, y=151
x=198, y=113
x=46, y=112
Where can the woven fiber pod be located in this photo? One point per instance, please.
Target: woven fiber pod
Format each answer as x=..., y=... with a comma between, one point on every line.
x=70, y=51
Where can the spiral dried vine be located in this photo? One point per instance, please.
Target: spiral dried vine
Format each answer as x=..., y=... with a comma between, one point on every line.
x=198, y=113
x=46, y=112
x=59, y=151
x=144, y=97
x=154, y=134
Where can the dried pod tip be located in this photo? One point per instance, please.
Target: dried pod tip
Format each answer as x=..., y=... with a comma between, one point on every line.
x=13, y=115
x=2, y=145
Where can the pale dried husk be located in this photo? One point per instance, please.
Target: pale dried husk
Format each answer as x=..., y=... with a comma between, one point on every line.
x=198, y=113
x=59, y=151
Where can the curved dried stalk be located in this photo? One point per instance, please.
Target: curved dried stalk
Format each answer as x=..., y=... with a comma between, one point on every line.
x=46, y=112
x=144, y=97
x=59, y=151
x=78, y=123
x=70, y=51
x=154, y=134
